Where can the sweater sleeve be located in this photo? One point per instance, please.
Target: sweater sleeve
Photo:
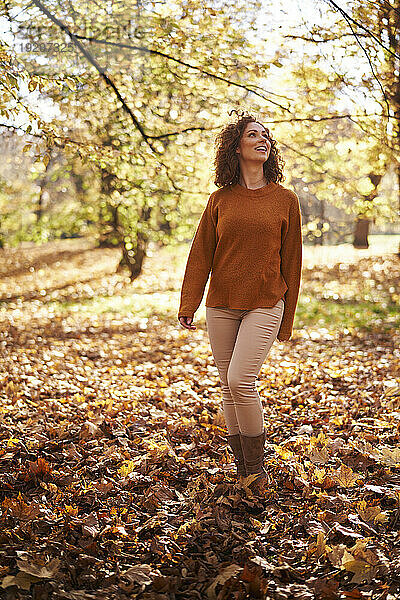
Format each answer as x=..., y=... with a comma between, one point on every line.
x=199, y=262
x=291, y=263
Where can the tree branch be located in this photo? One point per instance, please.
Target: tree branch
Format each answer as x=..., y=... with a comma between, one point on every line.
x=332, y=39
x=188, y=65
x=318, y=164
x=396, y=10
x=273, y=121
x=349, y=18
x=98, y=68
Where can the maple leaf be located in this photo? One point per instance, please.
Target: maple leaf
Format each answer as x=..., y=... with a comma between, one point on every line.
x=141, y=574
x=39, y=569
x=335, y=555
x=127, y=467
x=346, y=476
x=40, y=467
x=20, y=509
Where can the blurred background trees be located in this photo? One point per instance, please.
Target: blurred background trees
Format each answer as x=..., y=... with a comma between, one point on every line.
x=109, y=132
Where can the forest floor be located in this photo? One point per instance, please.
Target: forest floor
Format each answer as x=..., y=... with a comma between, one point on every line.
x=115, y=477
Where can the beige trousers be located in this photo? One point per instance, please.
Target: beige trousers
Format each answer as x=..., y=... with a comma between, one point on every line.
x=240, y=341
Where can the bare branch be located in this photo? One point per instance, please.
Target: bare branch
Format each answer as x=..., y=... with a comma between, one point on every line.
x=319, y=166
x=92, y=61
x=396, y=10
x=316, y=41
x=349, y=18
x=60, y=140
x=190, y=66
x=317, y=119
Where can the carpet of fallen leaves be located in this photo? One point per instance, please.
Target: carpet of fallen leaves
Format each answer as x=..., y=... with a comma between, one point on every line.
x=115, y=476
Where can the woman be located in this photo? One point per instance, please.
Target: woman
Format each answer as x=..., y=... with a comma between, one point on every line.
x=249, y=236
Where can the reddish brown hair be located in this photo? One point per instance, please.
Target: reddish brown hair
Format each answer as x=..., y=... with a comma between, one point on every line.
x=227, y=167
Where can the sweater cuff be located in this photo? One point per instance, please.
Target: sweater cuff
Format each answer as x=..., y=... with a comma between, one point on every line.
x=185, y=313
x=284, y=336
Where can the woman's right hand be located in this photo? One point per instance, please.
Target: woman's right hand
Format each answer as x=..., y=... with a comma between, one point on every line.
x=187, y=322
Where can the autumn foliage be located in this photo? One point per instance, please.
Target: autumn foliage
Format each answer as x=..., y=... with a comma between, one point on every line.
x=117, y=482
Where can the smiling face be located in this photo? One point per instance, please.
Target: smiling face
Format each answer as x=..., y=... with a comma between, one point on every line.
x=254, y=145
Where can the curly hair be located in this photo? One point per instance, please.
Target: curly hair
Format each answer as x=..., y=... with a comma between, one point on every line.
x=226, y=162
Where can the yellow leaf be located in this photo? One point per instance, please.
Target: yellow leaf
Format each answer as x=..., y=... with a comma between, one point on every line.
x=12, y=441
x=319, y=475
x=255, y=522
x=127, y=467
x=70, y=510
x=372, y=514
x=363, y=563
x=346, y=476
x=283, y=453
x=335, y=555
x=318, y=548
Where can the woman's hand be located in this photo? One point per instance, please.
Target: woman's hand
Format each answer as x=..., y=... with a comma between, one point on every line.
x=186, y=322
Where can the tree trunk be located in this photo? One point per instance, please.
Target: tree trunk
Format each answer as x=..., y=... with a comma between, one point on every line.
x=361, y=233
x=392, y=14
x=134, y=258
x=42, y=183
x=362, y=224
x=398, y=184
x=109, y=228
x=134, y=249
x=320, y=240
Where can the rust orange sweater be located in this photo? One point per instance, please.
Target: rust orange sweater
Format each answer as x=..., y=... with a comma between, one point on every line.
x=251, y=241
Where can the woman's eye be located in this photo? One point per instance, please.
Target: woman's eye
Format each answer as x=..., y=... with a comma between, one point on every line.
x=264, y=135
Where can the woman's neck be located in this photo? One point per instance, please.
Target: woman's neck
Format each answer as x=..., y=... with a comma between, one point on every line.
x=253, y=181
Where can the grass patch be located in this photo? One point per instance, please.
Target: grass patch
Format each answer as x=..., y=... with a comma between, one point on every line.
x=341, y=287
x=336, y=314
x=311, y=312
x=140, y=304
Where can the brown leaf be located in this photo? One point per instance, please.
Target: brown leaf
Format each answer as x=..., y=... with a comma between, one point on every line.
x=319, y=456
x=326, y=589
x=20, y=509
x=371, y=514
x=141, y=574
x=226, y=574
x=21, y=580
x=38, y=569
x=363, y=563
x=318, y=548
x=346, y=476
x=347, y=531
x=336, y=554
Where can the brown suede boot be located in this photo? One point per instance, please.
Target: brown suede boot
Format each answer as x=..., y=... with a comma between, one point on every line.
x=236, y=446
x=253, y=451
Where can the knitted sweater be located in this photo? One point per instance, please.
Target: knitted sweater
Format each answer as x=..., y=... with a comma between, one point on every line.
x=251, y=241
